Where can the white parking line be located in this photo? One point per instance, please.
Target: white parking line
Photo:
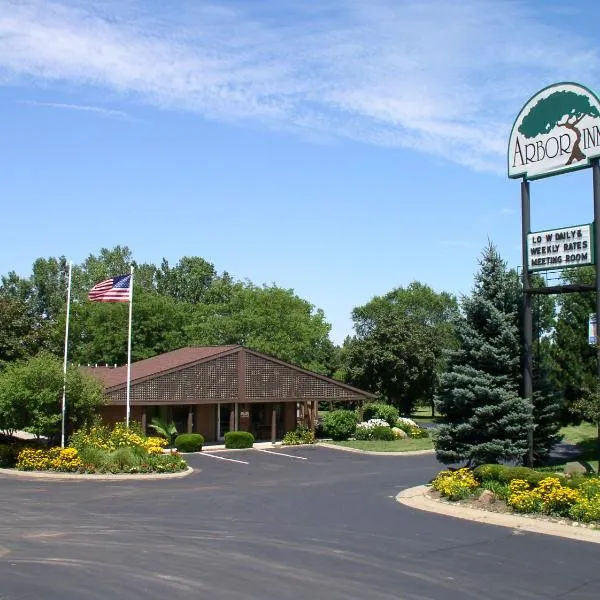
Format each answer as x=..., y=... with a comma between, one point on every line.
x=243, y=462
x=280, y=454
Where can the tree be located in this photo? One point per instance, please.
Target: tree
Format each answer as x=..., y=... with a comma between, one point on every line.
x=189, y=280
x=573, y=358
x=31, y=396
x=269, y=319
x=99, y=330
x=21, y=335
x=486, y=420
x=559, y=109
x=397, y=359
x=414, y=325
x=588, y=407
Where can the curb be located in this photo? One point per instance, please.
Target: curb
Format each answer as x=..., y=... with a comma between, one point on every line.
x=95, y=476
x=374, y=453
x=417, y=497
x=267, y=447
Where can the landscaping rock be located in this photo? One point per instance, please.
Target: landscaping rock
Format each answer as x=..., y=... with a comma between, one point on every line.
x=574, y=468
x=486, y=498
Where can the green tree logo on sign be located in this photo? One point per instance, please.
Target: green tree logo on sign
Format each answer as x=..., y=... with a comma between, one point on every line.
x=557, y=130
x=560, y=109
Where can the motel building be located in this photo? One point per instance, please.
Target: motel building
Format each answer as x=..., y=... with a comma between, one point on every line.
x=215, y=389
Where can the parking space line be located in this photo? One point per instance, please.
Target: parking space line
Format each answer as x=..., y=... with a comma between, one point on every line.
x=281, y=454
x=243, y=462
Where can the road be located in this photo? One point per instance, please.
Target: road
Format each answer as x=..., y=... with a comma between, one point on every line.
x=316, y=524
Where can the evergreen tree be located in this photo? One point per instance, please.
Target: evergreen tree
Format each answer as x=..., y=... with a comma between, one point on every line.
x=486, y=419
x=573, y=358
x=547, y=407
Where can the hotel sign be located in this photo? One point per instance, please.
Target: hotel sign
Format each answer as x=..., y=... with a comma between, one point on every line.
x=558, y=130
x=560, y=248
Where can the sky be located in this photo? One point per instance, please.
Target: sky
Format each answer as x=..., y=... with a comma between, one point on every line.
x=340, y=148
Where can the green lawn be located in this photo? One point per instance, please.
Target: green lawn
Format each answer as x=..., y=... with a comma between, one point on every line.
x=575, y=434
x=405, y=445
x=584, y=437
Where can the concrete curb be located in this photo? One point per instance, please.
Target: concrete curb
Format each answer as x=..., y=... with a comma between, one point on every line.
x=418, y=497
x=372, y=452
x=259, y=446
x=95, y=476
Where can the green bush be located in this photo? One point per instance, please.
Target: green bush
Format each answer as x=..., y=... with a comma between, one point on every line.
x=499, y=489
x=505, y=474
x=340, y=424
x=189, y=442
x=238, y=439
x=417, y=433
x=302, y=435
x=379, y=410
x=382, y=433
x=8, y=455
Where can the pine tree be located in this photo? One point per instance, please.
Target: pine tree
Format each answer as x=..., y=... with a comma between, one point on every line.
x=486, y=419
x=547, y=408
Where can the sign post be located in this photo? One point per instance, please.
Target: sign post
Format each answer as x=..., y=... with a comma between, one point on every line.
x=557, y=131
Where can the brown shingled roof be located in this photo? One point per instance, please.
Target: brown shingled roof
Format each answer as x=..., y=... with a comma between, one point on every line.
x=168, y=361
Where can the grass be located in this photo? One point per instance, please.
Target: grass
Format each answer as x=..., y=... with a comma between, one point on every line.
x=575, y=434
x=583, y=436
x=405, y=445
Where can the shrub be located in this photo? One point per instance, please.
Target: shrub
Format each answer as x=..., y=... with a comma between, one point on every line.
x=8, y=455
x=405, y=423
x=364, y=430
x=302, y=435
x=418, y=433
x=455, y=485
x=340, y=424
x=54, y=459
x=384, y=434
x=189, y=442
x=549, y=497
x=506, y=474
x=586, y=510
x=238, y=439
x=500, y=490
x=379, y=410
x=155, y=445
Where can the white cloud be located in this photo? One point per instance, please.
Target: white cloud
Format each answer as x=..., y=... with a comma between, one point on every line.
x=96, y=110
x=442, y=77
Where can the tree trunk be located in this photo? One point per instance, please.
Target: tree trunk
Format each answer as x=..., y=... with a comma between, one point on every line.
x=576, y=153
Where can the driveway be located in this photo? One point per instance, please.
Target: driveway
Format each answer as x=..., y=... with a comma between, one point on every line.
x=316, y=524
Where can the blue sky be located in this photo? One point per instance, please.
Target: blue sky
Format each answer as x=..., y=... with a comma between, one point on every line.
x=340, y=148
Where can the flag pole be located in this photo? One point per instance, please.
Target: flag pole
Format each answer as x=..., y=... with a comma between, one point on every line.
x=64, y=394
x=129, y=349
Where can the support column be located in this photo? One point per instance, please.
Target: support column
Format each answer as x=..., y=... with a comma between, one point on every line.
x=273, y=424
x=190, y=419
x=596, y=180
x=144, y=419
x=236, y=420
x=527, y=315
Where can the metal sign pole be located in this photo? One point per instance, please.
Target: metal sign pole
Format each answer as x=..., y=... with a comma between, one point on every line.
x=527, y=314
x=596, y=183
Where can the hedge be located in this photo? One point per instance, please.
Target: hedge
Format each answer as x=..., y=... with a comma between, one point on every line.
x=189, y=442
x=505, y=474
x=238, y=439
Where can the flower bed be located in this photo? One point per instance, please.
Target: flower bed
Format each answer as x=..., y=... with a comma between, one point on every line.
x=525, y=490
x=104, y=450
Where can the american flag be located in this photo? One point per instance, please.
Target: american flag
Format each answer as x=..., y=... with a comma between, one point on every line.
x=115, y=289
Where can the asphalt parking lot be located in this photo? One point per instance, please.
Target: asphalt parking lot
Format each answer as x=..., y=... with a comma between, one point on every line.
x=315, y=524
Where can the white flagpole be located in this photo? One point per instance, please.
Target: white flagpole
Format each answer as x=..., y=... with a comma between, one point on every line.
x=129, y=349
x=64, y=394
